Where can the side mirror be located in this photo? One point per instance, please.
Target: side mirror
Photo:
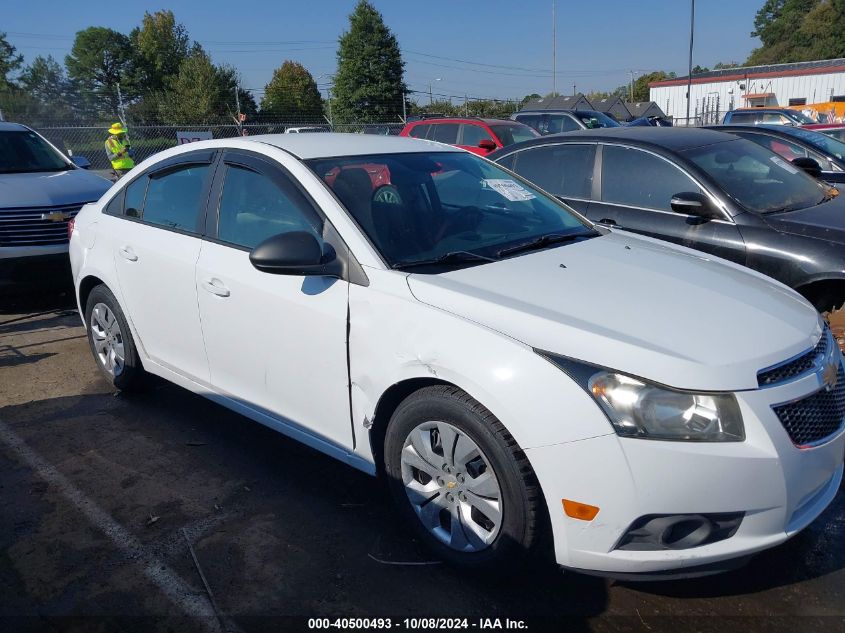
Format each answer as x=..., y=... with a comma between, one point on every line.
x=81, y=162
x=487, y=144
x=809, y=165
x=295, y=253
x=693, y=203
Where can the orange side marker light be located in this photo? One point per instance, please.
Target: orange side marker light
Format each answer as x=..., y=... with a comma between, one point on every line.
x=582, y=511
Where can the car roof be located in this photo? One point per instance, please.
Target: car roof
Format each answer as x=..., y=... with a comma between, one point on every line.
x=6, y=126
x=671, y=138
x=330, y=144
x=462, y=119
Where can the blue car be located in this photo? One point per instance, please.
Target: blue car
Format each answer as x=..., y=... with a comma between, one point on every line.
x=40, y=191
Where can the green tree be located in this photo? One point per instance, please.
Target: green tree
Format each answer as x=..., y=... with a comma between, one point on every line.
x=45, y=82
x=160, y=45
x=199, y=93
x=369, y=82
x=778, y=25
x=697, y=70
x=823, y=29
x=725, y=65
x=229, y=81
x=100, y=59
x=292, y=92
x=10, y=61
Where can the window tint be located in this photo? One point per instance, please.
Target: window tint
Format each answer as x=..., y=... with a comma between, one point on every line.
x=561, y=123
x=564, y=170
x=115, y=207
x=508, y=161
x=444, y=133
x=174, y=199
x=743, y=117
x=253, y=208
x=418, y=131
x=778, y=145
x=636, y=178
x=474, y=134
x=530, y=119
x=135, y=197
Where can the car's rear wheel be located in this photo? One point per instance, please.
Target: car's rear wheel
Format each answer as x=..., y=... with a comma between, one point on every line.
x=460, y=479
x=110, y=339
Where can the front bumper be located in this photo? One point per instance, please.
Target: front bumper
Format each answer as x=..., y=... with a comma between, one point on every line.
x=779, y=488
x=48, y=267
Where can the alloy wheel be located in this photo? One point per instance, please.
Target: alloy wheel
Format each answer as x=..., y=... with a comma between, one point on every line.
x=451, y=486
x=107, y=339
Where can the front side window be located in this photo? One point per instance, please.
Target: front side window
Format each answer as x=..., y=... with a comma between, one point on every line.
x=174, y=199
x=756, y=178
x=639, y=179
x=473, y=135
x=558, y=123
x=444, y=203
x=253, y=207
x=563, y=170
x=24, y=151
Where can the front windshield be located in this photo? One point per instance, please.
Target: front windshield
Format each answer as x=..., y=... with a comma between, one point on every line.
x=24, y=151
x=424, y=206
x=596, y=120
x=510, y=133
x=823, y=142
x=757, y=178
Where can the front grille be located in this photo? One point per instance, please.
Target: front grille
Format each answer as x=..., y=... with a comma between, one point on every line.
x=30, y=227
x=796, y=367
x=816, y=417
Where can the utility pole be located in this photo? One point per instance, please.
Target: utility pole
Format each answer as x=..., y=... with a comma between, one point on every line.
x=404, y=106
x=554, y=49
x=238, y=108
x=120, y=111
x=574, y=90
x=691, y=37
x=632, y=86
x=466, y=106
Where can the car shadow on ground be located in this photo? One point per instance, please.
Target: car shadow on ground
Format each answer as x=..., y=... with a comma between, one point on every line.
x=294, y=532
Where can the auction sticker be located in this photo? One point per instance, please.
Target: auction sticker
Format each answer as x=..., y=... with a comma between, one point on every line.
x=508, y=188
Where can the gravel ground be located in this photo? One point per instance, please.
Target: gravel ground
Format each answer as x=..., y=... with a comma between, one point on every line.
x=105, y=500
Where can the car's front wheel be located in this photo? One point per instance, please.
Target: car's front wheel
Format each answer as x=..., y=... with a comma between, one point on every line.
x=461, y=479
x=110, y=339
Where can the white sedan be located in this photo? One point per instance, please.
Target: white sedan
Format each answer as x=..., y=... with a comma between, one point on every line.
x=513, y=370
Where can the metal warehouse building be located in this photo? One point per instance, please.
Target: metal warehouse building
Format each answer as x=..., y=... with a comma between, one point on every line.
x=714, y=93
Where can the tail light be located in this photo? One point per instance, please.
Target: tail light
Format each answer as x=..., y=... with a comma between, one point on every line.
x=70, y=224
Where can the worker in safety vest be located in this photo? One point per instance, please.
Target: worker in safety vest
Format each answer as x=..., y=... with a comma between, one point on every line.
x=117, y=148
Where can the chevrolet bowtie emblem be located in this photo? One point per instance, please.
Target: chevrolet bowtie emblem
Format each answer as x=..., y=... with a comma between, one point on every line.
x=451, y=484
x=830, y=375
x=55, y=216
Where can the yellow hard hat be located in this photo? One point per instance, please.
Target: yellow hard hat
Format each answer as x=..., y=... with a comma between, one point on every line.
x=117, y=128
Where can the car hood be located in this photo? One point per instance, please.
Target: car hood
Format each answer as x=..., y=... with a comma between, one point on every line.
x=637, y=305
x=47, y=189
x=824, y=221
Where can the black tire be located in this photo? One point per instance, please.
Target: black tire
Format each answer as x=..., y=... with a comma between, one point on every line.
x=521, y=501
x=131, y=373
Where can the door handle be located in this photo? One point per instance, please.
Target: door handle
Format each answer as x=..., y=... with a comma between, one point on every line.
x=609, y=222
x=128, y=253
x=216, y=287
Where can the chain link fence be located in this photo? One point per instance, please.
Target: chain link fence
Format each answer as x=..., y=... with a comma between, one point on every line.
x=146, y=140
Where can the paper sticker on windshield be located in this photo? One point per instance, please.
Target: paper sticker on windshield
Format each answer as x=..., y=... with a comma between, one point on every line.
x=777, y=160
x=510, y=189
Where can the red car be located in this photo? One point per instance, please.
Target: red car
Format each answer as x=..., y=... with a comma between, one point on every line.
x=480, y=136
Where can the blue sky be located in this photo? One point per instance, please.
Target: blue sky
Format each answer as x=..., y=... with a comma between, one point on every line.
x=599, y=43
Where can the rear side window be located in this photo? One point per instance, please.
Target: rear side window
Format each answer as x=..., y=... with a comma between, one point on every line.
x=563, y=170
x=135, y=193
x=530, y=119
x=444, y=133
x=419, y=131
x=174, y=199
x=253, y=207
x=638, y=179
x=743, y=117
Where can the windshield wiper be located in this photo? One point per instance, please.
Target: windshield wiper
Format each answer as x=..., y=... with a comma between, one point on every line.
x=453, y=257
x=543, y=240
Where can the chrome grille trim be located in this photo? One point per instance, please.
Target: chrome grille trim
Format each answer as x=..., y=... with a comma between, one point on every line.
x=29, y=227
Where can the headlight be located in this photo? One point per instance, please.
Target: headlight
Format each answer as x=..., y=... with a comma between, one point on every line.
x=640, y=409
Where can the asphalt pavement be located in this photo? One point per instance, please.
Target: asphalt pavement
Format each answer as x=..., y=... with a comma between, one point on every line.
x=161, y=511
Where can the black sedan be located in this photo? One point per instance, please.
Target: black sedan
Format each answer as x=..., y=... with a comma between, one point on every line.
x=701, y=188
x=819, y=154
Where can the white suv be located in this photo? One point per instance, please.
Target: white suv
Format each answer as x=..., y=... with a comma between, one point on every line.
x=508, y=366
